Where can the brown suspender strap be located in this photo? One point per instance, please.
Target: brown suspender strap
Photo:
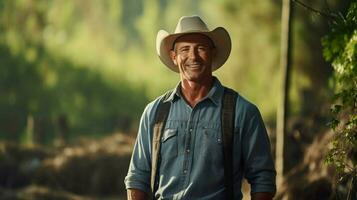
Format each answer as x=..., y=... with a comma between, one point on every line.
x=162, y=112
x=227, y=123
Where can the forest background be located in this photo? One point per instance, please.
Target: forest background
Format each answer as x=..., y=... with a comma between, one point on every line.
x=78, y=74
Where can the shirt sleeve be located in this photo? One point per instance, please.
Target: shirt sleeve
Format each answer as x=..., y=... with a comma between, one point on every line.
x=139, y=172
x=258, y=163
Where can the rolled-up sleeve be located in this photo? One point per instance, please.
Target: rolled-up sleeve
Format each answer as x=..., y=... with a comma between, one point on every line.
x=139, y=172
x=258, y=162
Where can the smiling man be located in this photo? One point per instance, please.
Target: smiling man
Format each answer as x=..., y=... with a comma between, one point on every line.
x=200, y=139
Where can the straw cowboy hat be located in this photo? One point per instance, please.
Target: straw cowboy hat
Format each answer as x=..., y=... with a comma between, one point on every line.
x=193, y=24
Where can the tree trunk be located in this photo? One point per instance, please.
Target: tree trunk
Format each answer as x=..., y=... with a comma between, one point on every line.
x=29, y=137
x=285, y=61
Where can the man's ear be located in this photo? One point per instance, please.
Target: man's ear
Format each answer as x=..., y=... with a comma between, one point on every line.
x=173, y=56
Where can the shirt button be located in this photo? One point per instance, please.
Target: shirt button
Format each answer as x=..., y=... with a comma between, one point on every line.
x=185, y=171
x=191, y=130
x=187, y=150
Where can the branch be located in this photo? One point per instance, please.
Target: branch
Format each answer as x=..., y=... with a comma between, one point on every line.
x=327, y=6
x=314, y=10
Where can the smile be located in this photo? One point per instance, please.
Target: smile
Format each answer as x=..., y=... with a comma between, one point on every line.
x=194, y=65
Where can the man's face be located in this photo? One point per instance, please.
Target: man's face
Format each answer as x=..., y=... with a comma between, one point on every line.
x=193, y=55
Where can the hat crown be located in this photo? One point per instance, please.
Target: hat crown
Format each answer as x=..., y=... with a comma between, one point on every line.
x=191, y=24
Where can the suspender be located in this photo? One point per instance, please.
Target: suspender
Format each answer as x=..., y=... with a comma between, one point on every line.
x=227, y=123
x=162, y=112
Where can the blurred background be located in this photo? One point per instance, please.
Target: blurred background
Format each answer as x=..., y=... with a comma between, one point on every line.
x=75, y=76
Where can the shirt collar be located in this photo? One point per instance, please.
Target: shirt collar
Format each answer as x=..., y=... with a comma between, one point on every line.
x=175, y=93
x=215, y=94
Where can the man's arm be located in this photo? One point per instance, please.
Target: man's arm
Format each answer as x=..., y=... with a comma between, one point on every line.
x=138, y=177
x=262, y=196
x=259, y=165
x=134, y=194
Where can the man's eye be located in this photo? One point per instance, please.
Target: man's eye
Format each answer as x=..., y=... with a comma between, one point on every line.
x=202, y=48
x=184, y=50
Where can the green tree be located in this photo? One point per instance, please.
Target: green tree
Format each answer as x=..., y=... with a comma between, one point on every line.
x=340, y=48
x=60, y=96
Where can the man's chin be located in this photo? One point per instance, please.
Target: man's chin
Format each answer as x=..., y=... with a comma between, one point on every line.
x=199, y=78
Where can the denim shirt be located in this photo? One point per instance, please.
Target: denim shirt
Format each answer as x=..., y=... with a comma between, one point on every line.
x=192, y=164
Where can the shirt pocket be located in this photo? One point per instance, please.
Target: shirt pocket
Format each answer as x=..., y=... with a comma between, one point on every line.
x=212, y=135
x=211, y=148
x=169, y=144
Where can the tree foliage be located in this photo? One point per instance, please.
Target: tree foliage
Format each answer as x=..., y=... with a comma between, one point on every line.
x=60, y=95
x=340, y=48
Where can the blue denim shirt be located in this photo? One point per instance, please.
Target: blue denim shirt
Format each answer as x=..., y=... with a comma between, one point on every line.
x=192, y=154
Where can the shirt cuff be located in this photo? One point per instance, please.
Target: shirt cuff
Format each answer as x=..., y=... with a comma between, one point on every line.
x=132, y=182
x=263, y=188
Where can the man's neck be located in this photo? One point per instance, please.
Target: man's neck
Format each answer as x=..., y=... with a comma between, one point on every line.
x=193, y=92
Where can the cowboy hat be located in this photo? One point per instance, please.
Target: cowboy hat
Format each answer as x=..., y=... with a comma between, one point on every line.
x=193, y=24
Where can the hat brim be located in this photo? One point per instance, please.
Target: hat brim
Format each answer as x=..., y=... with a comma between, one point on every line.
x=219, y=36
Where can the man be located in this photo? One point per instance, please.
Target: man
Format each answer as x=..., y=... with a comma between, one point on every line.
x=191, y=157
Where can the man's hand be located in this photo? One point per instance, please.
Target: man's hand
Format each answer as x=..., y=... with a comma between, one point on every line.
x=134, y=194
x=262, y=196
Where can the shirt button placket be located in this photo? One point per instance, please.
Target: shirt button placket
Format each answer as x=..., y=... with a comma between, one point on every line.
x=188, y=148
x=190, y=130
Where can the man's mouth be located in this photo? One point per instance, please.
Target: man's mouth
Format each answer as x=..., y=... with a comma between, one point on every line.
x=194, y=65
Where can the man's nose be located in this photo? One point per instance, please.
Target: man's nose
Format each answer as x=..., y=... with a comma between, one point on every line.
x=193, y=54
